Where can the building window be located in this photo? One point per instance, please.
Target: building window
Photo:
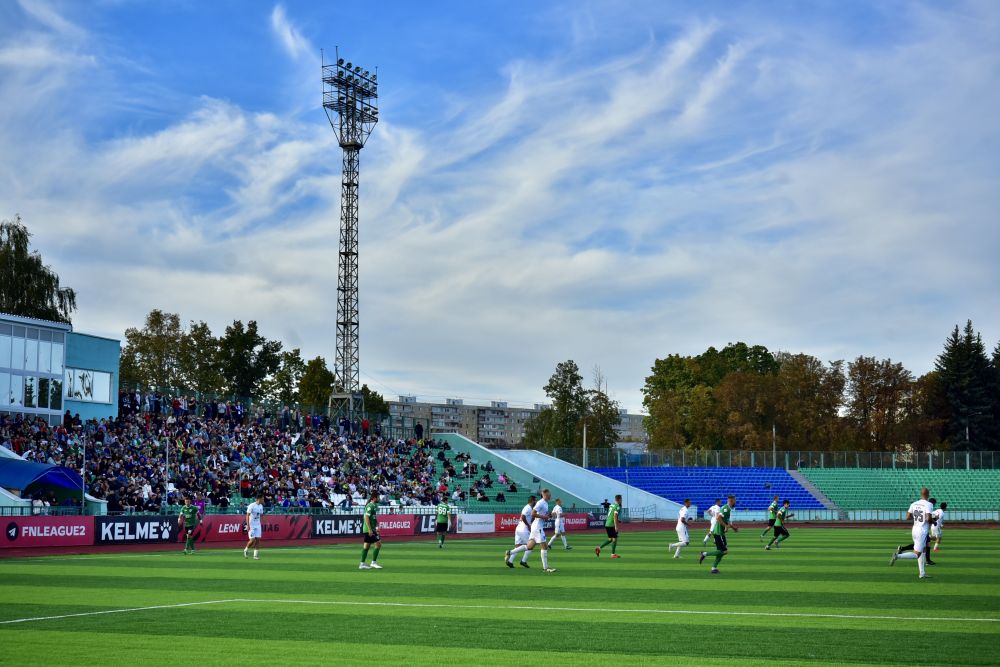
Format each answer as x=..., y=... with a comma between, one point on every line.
x=88, y=386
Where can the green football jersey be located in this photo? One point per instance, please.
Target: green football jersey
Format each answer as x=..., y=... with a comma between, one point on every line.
x=613, y=512
x=780, y=516
x=442, y=513
x=371, y=511
x=190, y=514
x=772, y=510
x=723, y=519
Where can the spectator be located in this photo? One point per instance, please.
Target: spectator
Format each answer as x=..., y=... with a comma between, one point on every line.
x=501, y=498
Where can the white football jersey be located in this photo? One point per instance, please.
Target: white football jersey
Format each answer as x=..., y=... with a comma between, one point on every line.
x=525, y=516
x=682, y=515
x=940, y=518
x=557, y=512
x=255, y=510
x=921, y=511
x=713, y=512
x=542, y=509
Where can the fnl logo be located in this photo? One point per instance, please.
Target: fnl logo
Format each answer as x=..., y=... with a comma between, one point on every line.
x=12, y=531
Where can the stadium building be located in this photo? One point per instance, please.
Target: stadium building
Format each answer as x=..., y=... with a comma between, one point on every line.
x=47, y=369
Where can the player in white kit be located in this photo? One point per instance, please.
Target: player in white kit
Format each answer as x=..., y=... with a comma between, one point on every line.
x=682, y=528
x=254, y=511
x=938, y=526
x=539, y=513
x=921, y=512
x=559, y=525
x=712, y=513
x=521, y=535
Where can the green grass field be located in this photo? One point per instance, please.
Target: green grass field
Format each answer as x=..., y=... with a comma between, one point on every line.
x=827, y=597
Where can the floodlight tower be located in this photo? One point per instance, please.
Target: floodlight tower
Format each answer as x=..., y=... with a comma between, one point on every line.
x=350, y=99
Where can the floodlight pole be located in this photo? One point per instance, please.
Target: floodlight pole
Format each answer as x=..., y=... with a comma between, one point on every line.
x=83, y=476
x=350, y=100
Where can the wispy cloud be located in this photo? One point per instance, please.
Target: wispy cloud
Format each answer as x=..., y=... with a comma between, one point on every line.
x=738, y=179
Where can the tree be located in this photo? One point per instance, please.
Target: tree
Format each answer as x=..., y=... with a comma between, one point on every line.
x=375, y=404
x=246, y=358
x=538, y=430
x=879, y=402
x=283, y=385
x=315, y=385
x=151, y=354
x=198, y=359
x=809, y=396
x=569, y=403
x=965, y=374
x=601, y=416
x=28, y=287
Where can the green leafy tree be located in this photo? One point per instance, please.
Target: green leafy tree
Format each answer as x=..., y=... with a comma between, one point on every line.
x=151, y=357
x=28, y=287
x=283, y=385
x=879, y=404
x=246, y=358
x=198, y=359
x=375, y=404
x=809, y=397
x=538, y=430
x=315, y=385
x=569, y=403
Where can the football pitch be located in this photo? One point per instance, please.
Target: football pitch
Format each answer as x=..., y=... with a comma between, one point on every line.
x=827, y=597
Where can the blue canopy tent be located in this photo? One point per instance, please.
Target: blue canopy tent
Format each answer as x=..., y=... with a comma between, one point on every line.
x=29, y=477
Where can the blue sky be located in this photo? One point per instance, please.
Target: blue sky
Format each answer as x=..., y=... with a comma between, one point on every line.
x=606, y=181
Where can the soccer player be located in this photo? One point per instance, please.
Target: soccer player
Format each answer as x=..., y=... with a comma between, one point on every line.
x=521, y=535
x=780, y=532
x=721, y=524
x=927, y=541
x=370, y=533
x=536, y=536
x=938, y=526
x=188, y=521
x=611, y=525
x=772, y=511
x=713, y=513
x=254, y=511
x=443, y=512
x=921, y=513
x=559, y=525
x=682, y=528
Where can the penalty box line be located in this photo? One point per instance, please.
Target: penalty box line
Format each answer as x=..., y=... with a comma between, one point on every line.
x=433, y=605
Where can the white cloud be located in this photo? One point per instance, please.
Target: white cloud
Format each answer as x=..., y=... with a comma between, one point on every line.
x=735, y=182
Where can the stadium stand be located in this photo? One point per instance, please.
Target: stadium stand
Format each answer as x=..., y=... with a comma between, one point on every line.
x=753, y=487
x=895, y=489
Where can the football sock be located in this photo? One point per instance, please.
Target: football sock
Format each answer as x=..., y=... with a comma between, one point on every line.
x=254, y=553
x=614, y=546
x=920, y=564
x=524, y=558
x=907, y=547
x=565, y=543
x=781, y=538
x=517, y=550
x=718, y=558
x=375, y=555
x=908, y=554
x=545, y=559
x=551, y=540
x=364, y=553
x=606, y=543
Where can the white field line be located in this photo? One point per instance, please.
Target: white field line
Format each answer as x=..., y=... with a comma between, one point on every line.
x=591, y=610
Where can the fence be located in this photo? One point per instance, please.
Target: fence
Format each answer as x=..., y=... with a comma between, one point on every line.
x=791, y=460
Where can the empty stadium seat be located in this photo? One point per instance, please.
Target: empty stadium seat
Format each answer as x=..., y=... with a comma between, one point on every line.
x=754, y=488
x=896, y=488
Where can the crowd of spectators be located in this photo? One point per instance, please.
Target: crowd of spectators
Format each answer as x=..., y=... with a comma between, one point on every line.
x=217, y=452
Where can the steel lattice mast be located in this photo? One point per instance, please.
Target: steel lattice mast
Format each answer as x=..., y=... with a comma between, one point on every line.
x=350, y=99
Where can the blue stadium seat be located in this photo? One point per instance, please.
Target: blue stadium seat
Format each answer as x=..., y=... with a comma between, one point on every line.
x=753, y=487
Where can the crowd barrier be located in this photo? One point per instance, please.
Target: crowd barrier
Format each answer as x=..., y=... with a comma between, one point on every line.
x=77, y=531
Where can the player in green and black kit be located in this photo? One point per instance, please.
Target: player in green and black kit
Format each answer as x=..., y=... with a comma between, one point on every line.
x=188, y=521
x=442, y=512
x=722, y=524
x=780, y=532
x=611, y=526
x=772, y=511
x=370, y=531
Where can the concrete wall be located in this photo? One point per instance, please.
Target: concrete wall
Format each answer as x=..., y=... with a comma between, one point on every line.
x=97, y=354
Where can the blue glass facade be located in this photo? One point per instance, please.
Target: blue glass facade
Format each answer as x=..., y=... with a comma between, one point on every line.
x=46, y=368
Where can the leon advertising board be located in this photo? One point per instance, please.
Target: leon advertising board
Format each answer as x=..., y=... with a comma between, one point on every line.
x=47, y=531
x=229, y=528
